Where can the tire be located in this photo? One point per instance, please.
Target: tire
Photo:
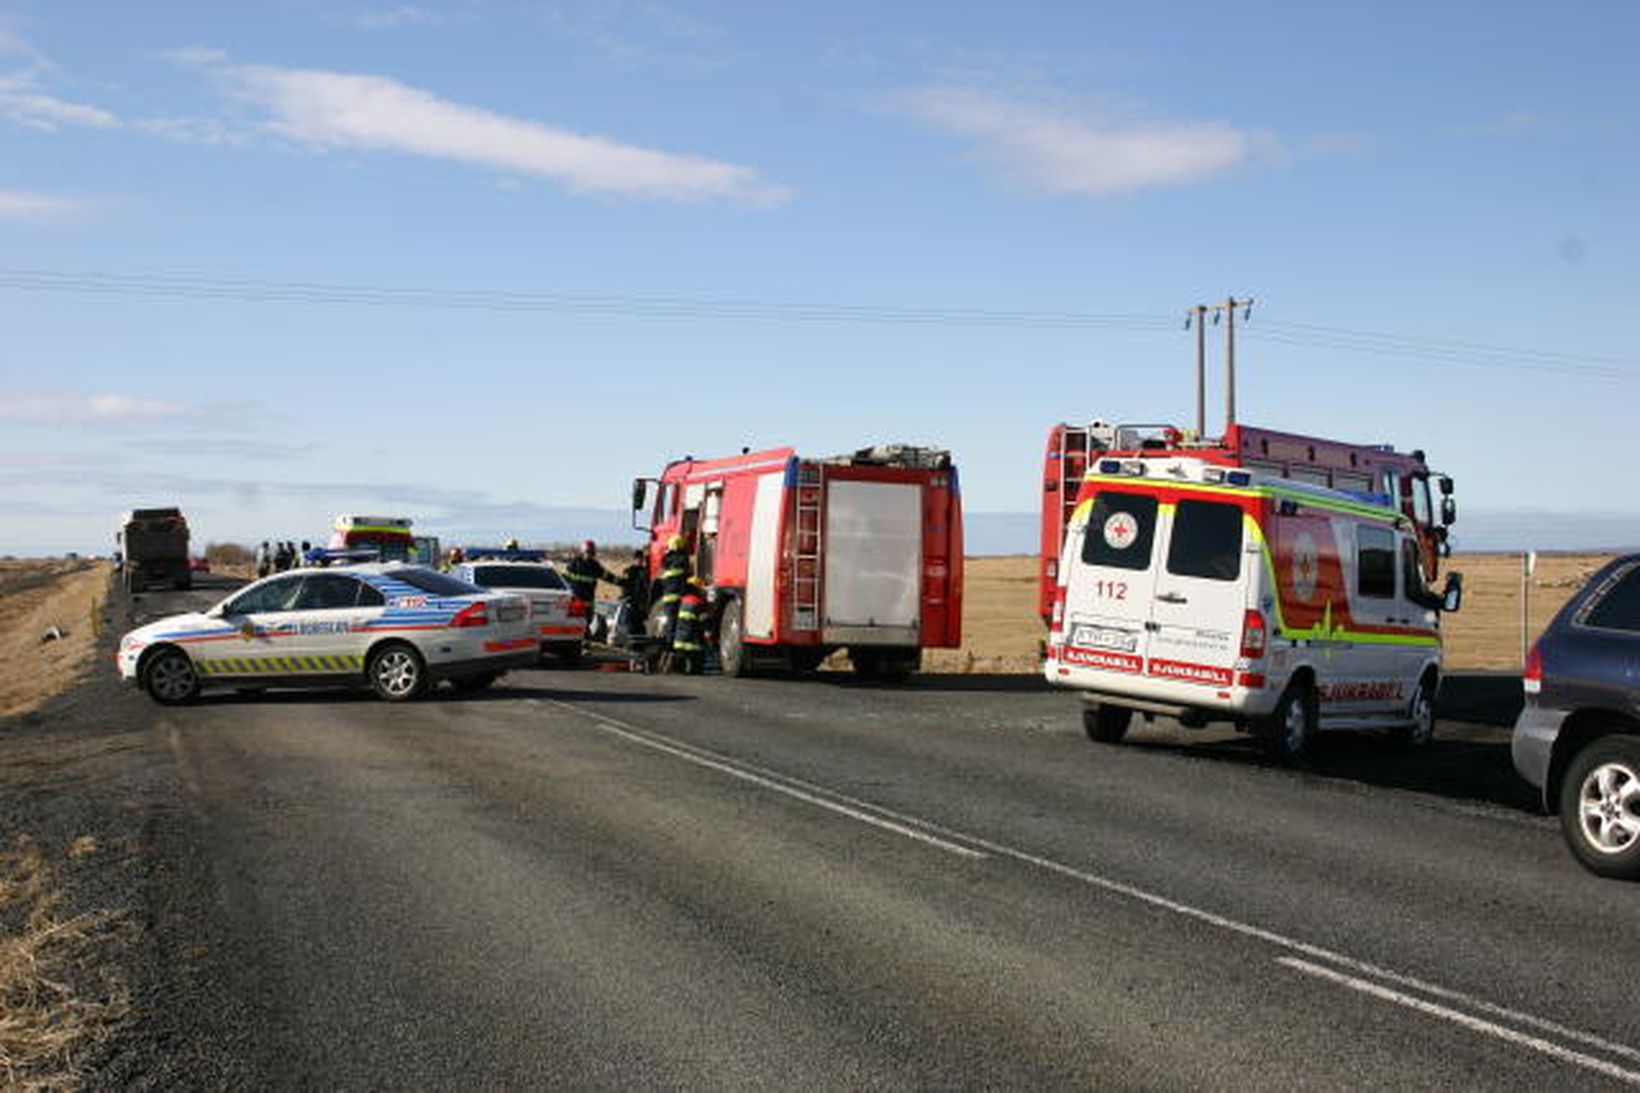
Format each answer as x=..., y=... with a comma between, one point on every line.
x=169, y=677
x=1288, y=733
x=733, y=657
x=1421, y=729
x=1600, y=807
x=469, y=685
x=396, y=672
x=1106, y=724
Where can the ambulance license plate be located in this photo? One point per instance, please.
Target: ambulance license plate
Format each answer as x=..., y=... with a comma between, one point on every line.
x=1105, y=637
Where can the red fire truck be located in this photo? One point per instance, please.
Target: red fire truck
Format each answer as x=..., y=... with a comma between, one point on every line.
x=808, y=556
x=1374, y=471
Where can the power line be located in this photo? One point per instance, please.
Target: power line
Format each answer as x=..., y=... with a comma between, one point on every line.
x=1421, y=350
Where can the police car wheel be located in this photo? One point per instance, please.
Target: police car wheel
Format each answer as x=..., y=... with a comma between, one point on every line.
x=396, y=673
x=1600, y=807
x=1290, y=729
x=169, y=677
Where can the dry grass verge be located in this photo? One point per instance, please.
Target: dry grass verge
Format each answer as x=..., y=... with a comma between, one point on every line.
x=36, y=597
x=49, y=1021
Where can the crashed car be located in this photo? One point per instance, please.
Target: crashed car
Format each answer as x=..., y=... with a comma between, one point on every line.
x=395, y=628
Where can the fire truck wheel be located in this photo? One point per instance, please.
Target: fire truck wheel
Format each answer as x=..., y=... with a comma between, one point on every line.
x=1421, y=729
x=732, y=655
x=1106, y=724
x=1290, y=729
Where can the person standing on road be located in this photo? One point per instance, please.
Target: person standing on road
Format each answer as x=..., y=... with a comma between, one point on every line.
x=634, y=584
x=676, y=569
x=584, y=571
x=689, y=632
x=264, y=560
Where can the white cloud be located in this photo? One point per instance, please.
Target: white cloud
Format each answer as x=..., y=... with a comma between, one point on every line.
x=342, y=110
x=49, y=113
x=1091, y=157
x=19, y=206
x=105, y=409
x=22, y=101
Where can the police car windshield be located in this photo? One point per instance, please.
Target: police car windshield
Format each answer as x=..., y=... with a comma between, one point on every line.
x=439, y=584
x=518, y=576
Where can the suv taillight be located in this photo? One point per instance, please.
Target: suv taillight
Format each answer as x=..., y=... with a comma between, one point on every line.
x=1531, y=678
x=474, y=614
x=577, y=609
x=1254, y=636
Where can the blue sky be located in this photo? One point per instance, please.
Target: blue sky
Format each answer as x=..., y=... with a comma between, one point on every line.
x=482, y=262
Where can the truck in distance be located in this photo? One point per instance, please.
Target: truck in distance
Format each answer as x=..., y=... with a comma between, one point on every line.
x=153, y=548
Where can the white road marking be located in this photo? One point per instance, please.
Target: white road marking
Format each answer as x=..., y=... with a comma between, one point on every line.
x=1474, y=1024
x=978, y=847
x=778, y=784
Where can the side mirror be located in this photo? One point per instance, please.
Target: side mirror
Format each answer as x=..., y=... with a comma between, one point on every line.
x=1449, y=511
x=1445, y=483
x=1452, y=594
x=640, y=492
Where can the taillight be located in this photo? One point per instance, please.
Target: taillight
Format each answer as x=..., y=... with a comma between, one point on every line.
x=577, y=609
x=474, y=614
x=1057, y=620
x=1254, y=636
x=1531, y=678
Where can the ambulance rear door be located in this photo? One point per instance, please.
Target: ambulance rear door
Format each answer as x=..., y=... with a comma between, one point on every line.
x=1201, y=592
x=1110, y=582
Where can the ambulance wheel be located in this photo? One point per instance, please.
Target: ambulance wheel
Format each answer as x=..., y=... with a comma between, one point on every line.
x=396, y=672
x=1289, y=731
x=1420, y=730
x=169, y=677
x=1106, y=724
x=733, y=658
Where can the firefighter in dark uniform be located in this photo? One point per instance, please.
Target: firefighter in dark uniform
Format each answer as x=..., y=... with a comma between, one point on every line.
x=583, y=572
x=676, y=569
x=634, y=584
x=689, y=632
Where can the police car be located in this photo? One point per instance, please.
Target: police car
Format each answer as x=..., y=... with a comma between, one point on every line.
x=559, y=619
x=396, y=628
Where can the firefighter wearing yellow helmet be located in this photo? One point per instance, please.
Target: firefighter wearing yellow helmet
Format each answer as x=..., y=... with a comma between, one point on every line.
x=676, y=569
x=689, y=632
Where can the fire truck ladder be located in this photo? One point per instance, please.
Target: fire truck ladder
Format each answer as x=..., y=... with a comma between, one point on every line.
x=806, y=579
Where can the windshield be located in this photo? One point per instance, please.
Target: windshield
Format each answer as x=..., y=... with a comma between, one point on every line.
x=518, y=576
x=439, y=584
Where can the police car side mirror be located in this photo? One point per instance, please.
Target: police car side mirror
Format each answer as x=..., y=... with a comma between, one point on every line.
x=1452, y=594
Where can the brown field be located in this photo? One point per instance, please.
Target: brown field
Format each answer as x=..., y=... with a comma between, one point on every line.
x=1001, y=631
x=34, y=597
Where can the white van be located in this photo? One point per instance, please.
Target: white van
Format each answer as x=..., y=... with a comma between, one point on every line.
x=1208, y=592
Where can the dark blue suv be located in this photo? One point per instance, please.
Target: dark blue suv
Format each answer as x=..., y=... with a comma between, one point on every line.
x=1578, y=736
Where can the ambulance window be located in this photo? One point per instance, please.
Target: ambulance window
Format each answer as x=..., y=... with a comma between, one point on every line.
x=1375, y=562
x=1120, y=531
x=1206, y=541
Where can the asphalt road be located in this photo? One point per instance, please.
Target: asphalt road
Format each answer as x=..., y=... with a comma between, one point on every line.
x=599, y=880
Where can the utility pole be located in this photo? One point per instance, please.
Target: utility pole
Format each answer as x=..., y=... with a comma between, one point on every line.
x=1199, y=315
x=1228, y=311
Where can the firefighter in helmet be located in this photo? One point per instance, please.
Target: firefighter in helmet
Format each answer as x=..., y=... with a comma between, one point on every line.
x=676, y=569
x=583, y=572
x=689, y=631
x=634, y=584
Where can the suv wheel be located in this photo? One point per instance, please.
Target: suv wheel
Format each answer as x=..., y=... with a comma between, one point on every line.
x=1600, y=807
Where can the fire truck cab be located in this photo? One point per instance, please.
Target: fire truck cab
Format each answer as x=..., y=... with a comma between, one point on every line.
x=1209, y=592
x=805, y=557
